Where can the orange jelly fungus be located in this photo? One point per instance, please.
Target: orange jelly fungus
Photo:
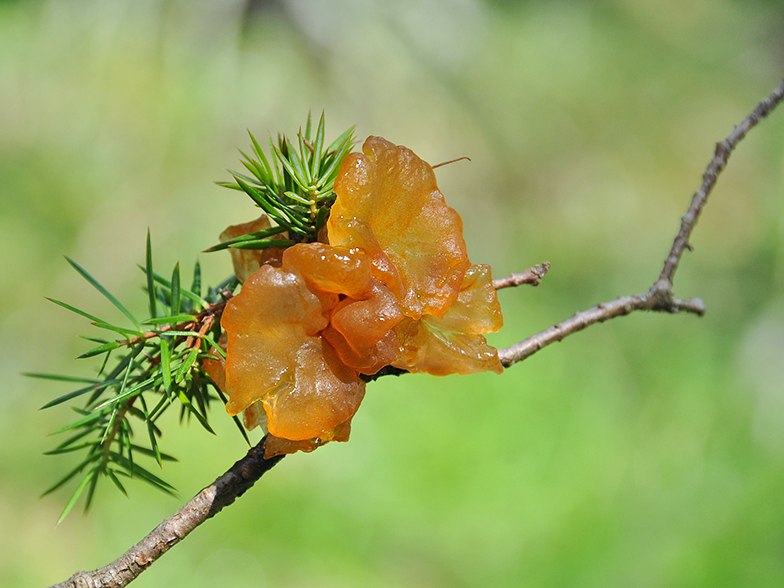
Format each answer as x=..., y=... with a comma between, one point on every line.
x=393, y=286
x=247, y=261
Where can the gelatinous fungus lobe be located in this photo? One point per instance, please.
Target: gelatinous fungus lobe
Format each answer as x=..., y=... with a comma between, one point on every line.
x=247, y=261
x=389, y=206
x=454, y=343
x=361, y=322
x=276, y=356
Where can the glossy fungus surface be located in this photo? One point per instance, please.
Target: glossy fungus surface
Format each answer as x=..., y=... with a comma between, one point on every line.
x=390, y=207
x=393, y=286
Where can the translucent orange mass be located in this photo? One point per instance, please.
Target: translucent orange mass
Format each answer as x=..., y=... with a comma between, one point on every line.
x=389, y=206
x=276, y=355
x=393, y=286
x=453, y=343
x=247, y=261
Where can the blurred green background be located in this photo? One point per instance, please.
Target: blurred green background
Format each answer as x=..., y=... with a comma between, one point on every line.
x=646, y=452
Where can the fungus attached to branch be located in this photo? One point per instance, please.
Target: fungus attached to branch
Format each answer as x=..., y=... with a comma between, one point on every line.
x=392, y=285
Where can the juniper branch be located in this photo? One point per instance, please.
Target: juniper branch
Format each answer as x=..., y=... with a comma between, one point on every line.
x=248, y=470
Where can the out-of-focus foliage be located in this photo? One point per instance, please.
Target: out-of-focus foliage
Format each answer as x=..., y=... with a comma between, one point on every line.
x=643, y=452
